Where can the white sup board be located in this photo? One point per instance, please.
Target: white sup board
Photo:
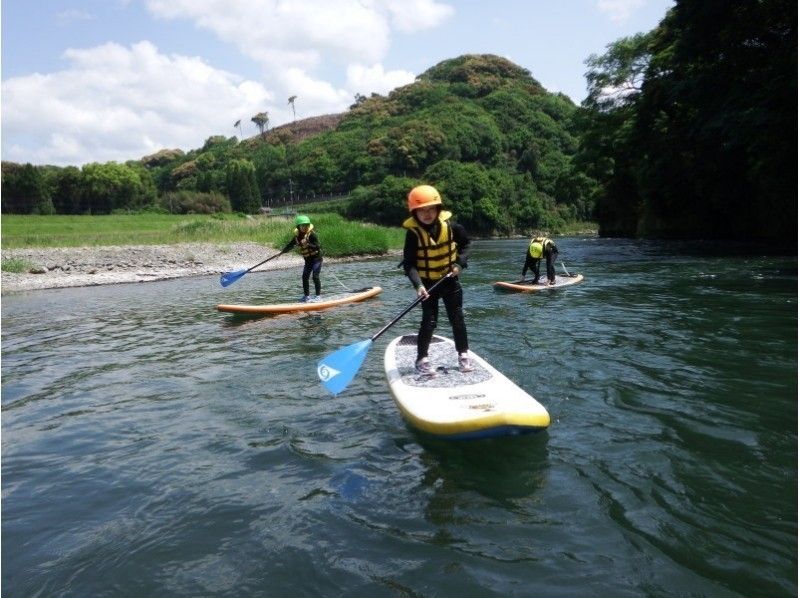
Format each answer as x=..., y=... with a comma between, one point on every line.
x=527, y=286
x=456, y=405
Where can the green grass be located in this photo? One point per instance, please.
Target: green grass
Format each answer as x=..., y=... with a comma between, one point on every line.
x=338, y=236
x=16, y=265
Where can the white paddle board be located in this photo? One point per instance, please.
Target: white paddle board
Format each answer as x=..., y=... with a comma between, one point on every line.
x=527, y=286
x=455, y=405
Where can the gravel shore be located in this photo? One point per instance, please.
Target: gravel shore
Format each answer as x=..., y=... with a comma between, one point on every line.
x=89, y=266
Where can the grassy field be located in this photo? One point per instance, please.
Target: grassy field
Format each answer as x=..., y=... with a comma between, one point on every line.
x=339, y=237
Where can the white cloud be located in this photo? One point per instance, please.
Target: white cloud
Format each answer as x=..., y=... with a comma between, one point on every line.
x=293, y=40
x=116, y=102
x=413, y=15
x=375, y=79
x=301, y=34
x=619, y=11
x=119, y=103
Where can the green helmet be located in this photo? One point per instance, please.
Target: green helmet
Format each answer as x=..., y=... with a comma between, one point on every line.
x=302, y=220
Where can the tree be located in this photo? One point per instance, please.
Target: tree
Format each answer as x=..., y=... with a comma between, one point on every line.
x=112, y=186
x=291, y=101
x=262, y=120
x=68, y=191
x=238, y=123
x=24, y=190
x=240, y=182
x=616, y=77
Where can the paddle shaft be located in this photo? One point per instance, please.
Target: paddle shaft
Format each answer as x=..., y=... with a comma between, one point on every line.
x=264, y=262
x=410, y=307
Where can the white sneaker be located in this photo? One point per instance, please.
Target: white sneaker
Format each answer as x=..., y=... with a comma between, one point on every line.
x=317, y=298
x=423, y=368
x=465, y=363
x=304, y=299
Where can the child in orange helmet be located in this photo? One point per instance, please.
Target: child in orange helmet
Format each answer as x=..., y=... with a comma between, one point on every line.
x=434, y=247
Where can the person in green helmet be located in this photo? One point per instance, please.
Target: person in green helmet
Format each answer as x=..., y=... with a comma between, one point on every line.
x=306, y=241
x=541, y=246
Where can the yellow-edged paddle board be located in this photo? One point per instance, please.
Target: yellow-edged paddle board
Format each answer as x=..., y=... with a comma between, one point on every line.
x=455, y=405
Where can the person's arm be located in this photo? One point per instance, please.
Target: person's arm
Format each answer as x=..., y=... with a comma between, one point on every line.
x=462, y=245
x=313, y=241
x=528, y=264
x=410, y=260
x=289, y=245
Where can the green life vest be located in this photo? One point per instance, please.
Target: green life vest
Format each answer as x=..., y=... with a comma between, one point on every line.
x=538, y=245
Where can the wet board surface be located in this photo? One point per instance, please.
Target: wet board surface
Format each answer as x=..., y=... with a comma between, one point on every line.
x=327, y=302
x=455, y=405
x=526, y=286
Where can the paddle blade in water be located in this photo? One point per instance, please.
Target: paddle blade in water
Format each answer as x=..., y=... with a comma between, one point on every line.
x=228, y=278
x=338, y=369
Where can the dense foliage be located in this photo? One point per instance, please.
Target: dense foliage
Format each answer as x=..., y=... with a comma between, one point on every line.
x=691, y=129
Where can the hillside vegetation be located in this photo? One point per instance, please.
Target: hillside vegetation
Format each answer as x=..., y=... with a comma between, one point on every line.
x=498, y=146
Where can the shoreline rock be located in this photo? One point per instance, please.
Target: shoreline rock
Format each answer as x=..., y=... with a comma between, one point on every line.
x=53, y=268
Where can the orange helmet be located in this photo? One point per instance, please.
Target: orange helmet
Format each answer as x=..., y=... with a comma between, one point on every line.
x=422, y=196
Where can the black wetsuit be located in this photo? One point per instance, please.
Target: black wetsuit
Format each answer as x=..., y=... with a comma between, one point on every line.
x=313, y=263
x=449, y=291
x=549, y=252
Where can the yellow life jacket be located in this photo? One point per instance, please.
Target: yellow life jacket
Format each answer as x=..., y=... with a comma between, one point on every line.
x=434, y=256
x=538, y=245
x=305, y=250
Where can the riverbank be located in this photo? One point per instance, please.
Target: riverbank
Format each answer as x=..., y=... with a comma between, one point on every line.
x=52, y=268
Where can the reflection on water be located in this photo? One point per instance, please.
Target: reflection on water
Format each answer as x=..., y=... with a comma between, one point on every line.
x=152, y=445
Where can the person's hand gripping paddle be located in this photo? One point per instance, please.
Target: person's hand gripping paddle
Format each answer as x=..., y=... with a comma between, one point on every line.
x=339, y=368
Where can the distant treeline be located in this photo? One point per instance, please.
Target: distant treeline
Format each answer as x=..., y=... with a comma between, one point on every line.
x=689, y=130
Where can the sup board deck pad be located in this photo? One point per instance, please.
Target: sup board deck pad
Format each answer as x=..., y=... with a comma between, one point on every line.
x=444, y=360
x=457, y=405
x=527, y=286
x=327, y=301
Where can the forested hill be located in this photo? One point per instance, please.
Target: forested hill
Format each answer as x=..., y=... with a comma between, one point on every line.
x=498, y=145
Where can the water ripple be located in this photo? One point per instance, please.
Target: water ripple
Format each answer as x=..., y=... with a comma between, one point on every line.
x=152, y=445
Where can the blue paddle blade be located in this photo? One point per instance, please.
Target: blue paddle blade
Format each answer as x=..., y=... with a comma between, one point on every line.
x=339, y=368
x=228, y=278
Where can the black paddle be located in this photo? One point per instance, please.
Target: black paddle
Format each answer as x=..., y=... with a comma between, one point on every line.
x=339, y=368
x=228, y=278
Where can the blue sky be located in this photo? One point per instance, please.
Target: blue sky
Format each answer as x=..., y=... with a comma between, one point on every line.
x=99, y=80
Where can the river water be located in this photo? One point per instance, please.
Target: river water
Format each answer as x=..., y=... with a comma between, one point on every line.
x=153, y=446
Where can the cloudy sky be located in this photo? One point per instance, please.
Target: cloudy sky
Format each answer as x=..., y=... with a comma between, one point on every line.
x=99, y=80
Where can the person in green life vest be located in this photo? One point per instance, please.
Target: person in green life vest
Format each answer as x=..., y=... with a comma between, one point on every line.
x=541, y=246
x=433, y=247
x=306, y=241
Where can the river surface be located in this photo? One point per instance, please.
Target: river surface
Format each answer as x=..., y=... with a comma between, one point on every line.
x=152, y=446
